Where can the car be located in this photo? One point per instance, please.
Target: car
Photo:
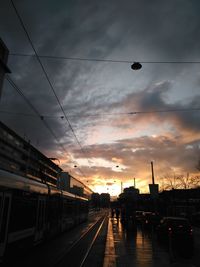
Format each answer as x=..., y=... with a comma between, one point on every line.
x=195, y=218
x=150, y=219
x=176, y=228
x=177, y=233
x=139, y=215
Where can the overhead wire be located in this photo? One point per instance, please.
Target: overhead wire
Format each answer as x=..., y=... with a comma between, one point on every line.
x=26, y=114
x=41, y=117
x=104, y=114
x=84, y=59
x=34, y=109
x=103, y=60
x=48, y=80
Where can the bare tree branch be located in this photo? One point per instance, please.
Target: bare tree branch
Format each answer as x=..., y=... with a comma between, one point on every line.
x=174, y=181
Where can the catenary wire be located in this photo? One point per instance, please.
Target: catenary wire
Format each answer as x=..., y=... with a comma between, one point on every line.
x=48, y=80
x=12, y=83
x=103, y=114
x=51, y=86
x=34, y=109
x=103, y=60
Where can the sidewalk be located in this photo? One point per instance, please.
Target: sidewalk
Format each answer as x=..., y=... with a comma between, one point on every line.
x=126, y=247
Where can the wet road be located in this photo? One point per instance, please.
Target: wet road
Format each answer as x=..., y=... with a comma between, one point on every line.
x=128, y=247
x=125, y=247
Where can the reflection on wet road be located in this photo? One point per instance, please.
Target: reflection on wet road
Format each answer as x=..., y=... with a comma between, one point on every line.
x=139, y=248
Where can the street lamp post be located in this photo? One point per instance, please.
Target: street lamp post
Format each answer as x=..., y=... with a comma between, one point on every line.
x=55, y=159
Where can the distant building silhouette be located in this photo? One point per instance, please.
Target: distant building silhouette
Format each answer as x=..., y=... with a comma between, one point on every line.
x=68, y=183
x=105, y=200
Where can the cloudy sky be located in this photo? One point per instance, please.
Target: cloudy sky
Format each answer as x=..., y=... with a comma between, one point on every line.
x=102, y=114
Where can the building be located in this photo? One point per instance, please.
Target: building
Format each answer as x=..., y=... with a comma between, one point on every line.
x=129, y=201
x=105, y=200
x=175, y=202
x=20, y=157
x=69, y=183
x=180, y=202
x=129, y=193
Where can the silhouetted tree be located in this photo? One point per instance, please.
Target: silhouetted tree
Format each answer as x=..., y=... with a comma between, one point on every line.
x=174, y=181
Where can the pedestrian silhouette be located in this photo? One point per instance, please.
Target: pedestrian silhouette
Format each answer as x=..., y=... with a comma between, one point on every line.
x=117, y=212
x=112, y=213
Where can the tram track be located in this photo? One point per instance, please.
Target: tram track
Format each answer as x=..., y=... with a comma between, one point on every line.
x=52, y=252
x=78, y=253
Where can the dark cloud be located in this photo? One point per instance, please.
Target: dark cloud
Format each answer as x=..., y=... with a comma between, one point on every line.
x=152, y=101
x=126, y=30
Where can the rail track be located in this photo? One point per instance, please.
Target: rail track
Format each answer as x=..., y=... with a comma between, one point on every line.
x=78, y=253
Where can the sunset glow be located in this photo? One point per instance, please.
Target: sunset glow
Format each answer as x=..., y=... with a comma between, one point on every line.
x=104, y=113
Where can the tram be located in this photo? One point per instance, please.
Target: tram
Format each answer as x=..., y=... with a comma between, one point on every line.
x=32, y=211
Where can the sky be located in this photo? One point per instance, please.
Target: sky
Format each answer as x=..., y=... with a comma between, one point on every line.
x=113, y=116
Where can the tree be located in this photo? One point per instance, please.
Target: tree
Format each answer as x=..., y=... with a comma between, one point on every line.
x=174, y=181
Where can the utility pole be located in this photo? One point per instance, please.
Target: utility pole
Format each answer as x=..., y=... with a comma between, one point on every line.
x=3, y=63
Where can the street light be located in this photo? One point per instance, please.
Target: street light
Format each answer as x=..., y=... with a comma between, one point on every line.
x=136, y=66
x=121, y=183
x=55, y=159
